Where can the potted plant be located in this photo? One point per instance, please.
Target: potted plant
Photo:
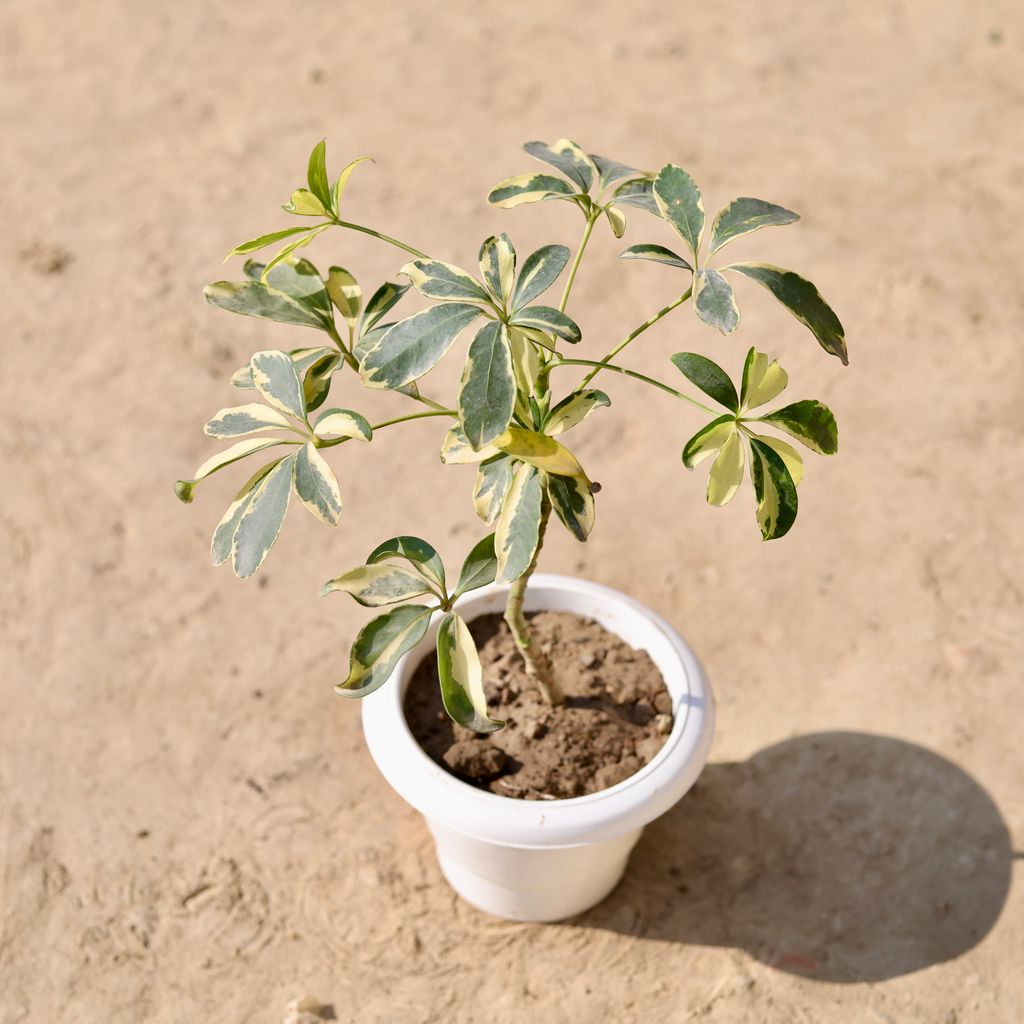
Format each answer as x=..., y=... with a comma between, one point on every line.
x=620, y=722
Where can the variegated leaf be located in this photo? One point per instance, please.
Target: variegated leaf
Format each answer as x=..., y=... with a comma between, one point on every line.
x=242, y=449
x=574, y=409
x=709, y=377
x=260, y=523
x=744, y=215
x=571, y=498
x=414, y=345
x=616, y=219
x=525, y=366
x=487, y=394
x=316, y=174
x=638, y=193
x=316, y=485
x=529, y=188
x=263, y=241
x=253, y=298
x=518, y=527
x=498, y=266
x=379, y=645
x=285, y=253
x=382, y=300
x=273, y=373
x=457, y=451
x=793, y=460
x=539, y=450
x=656, y=254
x=479, y=568
x=245, y=419
x=762, y=380
x=610, y=171
x=567, y=157
x=549, y=320
x=679, y=202
x=727, y=470
x=493, y=479
x=775, y=491
x=376, y=585
x=803, y=300
x=422, y=556
x=304, y=204
x=298, y=278
x=462, y=677
x=708, y=440
x=367, y=342
x=714, y=301
x=439, y=280
x=338, y=188
x=810, y=422
x=316, y=374
x=224, y=535
x=539, y=272
x=345, y=293
x=343, y=423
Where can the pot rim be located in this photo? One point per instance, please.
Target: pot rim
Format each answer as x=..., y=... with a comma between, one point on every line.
x=574, y=821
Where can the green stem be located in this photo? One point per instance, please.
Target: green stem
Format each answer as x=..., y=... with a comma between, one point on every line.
x=604, y=365
x=388, y=423
x=382, y=237
x=591, y=221
x=538, y=665
x=634, y=335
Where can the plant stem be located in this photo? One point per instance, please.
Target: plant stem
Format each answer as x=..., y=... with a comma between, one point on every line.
x=604, y=365
x=388, y=423
x=634, y=335
x=382, y=237
x=591, y=221
x=538, y=665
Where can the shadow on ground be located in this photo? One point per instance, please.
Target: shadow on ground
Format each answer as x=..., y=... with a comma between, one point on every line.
x=838, y=856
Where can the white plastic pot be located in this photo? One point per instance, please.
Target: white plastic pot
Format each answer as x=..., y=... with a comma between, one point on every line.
x=545, y=860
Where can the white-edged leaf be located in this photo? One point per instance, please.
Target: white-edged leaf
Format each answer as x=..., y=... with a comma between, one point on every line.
x=379, y=645
x=493, y=479
x=457, y=451
x=549, y=320
x=240, y=450
x=518, y=527
x=275, y=378
x=224, y=535
x=573, y=502
x=638, y=193
x=573, y=410
x=610, y=171
x=316, y=485
x=423, y=557
x=343, y=423
x=714, y=301
x=774, y=490
x=498, y=265
x=245, y=419
x=529, y=188
x=538, y=273
x=438, y=280
x=656, y=254
x=744, y=215
x=260, y=523
x=679, y=201
x=382, y=300
x=708, y=440
x=565, y=156
x=487, y=393
x=793, y=460
x=461, y=676
x=376, y=585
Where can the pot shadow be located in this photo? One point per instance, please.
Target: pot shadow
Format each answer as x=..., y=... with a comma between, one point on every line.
x=838, y=856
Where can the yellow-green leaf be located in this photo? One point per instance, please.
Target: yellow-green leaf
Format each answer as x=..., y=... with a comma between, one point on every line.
x=707, y=440
x=762, y=380
x=727, y=471
x=573, y=502
x=774, y=489
x=493, y=479
x=539, y=450
x=462, y=677
x=316, y=174
x=574, y=409
x=529, y=188
x=264, y=240
x=377, y=585
x=793, y=460
x=379, y=645
x=457, y=451
x=345, y=293
x=342, y=180
x=498, y=265
x=304, y=204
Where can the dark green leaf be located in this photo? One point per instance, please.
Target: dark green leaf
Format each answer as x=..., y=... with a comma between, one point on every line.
x=573, y=503
x=708, y=440
x=422, y=556
x=679, y=201
x=566, y=157
x=382, y=300
x=809, y=422
x=656, y=254
x=611, y=170
x=774, y=490
x=487, y=394
x=638, y=193
x=744, y=215
x=316, y=175
x=539, y=272
x=479, y=568
x=709, y=377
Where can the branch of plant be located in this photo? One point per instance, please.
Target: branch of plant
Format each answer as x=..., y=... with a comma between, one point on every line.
x=389, y=423
x=591, y=221
x=378, y=234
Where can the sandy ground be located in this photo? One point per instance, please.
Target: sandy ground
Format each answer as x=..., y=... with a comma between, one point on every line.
x=190, y=827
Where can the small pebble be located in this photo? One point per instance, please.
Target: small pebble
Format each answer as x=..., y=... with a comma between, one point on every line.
x=663, y=723
x=588, y=657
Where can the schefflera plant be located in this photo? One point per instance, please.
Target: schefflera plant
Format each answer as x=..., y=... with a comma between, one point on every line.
x=507, y=419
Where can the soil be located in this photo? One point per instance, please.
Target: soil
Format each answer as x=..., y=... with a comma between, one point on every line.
x=616, y=716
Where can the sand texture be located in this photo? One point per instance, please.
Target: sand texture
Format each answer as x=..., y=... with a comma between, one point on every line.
x=190, y=826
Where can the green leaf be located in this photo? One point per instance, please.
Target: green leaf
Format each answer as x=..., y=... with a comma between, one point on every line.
x=616, y=219
x=529, y=188
x=566, y=157
x=316, y=175
x=574, y=409
x=224, y=535
x=264, y=240
x=382, y=300
x=775, y=491
x=707, y=440
x=370, y=340
x=343, y=423
x=611, y=170
x=762, y=380
x=539, y=272
x=417, y=552
x=790, y=456
x=376, y=585
x=549, y=320
x=498, y=265
x=573, y=503
x=679, y=202
x=803, y=300
x=439, y=280
x=744, y=215
x=493, y=479
x=345, y=293
x=638, y=193
x=242, y=449
x=316, y=372
x=316, y=485
x=810, y=422
x=539, y=450
x=518, y=527
x=479, y=568
x=253, y=298
x=461, y=676
x=379, y=645
x=245, y=419
x=304, y=204
x=457, y=451
x=273, y=373
x=656, y=254
x=260, y=523
x=284, y=253
x=487, y=394
x=709, y=377
x=295, y=277
x=525, y=366
x=727, y=471
x=415, y=345
x=714, y=301
x=342, y=180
